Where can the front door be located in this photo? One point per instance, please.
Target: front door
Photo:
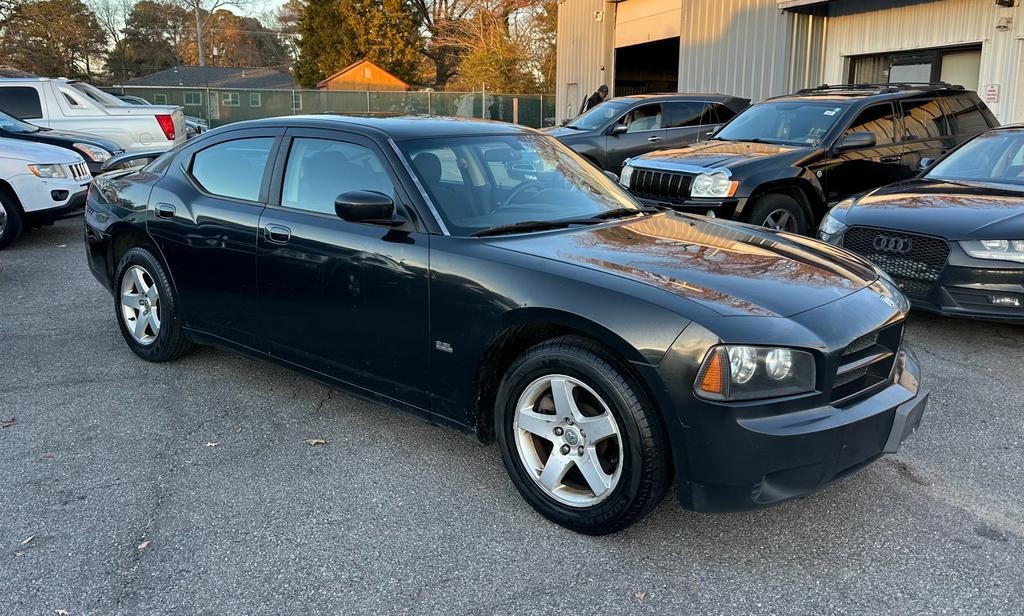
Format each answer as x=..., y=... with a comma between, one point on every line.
x=204, y=218
x=852, y=171
x=926, y=133
x=347, y=300
x=642, y=130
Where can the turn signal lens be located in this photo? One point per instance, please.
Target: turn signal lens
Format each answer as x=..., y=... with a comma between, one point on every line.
x=712, y=374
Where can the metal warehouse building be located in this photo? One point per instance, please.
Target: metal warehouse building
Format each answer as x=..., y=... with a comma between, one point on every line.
x=759, y=48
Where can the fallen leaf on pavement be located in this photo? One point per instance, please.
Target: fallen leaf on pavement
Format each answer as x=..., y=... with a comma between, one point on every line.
x=62, y=245
x=61, y=613
x=7, y=423
x=212, y=444
x=18, y=553
x=640, y=595
x=145, y=544
x=313, y=442
x=29, y=540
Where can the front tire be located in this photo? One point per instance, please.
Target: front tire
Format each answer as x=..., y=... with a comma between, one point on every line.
x=580, y=439
x=11, y=221
x=146, y=308
x=779, y=212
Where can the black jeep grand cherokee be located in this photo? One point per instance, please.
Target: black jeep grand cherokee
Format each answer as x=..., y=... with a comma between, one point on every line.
x=781, y=162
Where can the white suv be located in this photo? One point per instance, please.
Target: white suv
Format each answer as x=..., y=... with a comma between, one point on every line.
x=75, y=105
x=39, y=183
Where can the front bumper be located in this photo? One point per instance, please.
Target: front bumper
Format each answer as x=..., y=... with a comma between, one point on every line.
x=719, y=208
x=73, y=206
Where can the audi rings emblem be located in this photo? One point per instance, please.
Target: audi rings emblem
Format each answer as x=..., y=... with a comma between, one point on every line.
x=893, y=244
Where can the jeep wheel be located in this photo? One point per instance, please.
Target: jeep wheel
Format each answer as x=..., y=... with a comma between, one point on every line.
x=10, y=221
x=779, y=212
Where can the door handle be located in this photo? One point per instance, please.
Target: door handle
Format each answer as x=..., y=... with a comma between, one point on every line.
x=278, y=234
x=893, y=158
x=654, y=138
x=164, y=210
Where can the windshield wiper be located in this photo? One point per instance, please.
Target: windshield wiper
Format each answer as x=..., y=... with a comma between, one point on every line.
x=622, y=212
x=543, y=225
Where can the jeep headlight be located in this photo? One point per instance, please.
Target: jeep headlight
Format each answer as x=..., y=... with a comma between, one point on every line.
x=626, y=175
x=94, y=152
x=713, y=185
x=47, y=171
x=739, y=372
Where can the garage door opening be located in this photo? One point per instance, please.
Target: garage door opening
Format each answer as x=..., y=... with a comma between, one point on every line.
x=647, y=67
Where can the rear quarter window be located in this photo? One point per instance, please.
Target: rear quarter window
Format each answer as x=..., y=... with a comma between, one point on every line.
x=233, y=169
x=21, y=102
x=966, y=117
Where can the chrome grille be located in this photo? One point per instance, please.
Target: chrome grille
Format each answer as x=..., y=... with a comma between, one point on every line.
x=914, y=261
x=866, y=364
x=79, y=171
x=663, y=185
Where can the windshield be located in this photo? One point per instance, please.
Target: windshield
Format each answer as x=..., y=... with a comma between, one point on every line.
x=599, y=115
x=101, y=97
x=15, y=125
x=786, y=123
x=482, y=182
x=993, y=157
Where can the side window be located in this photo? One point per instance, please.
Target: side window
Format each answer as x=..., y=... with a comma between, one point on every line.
x=319, y=170
x=230, y=99
x=966, y=118
x=233, y=168
x=721, y=114
x=645, y=117
x=193, y=99
x=877, y=119
x=923, y=119
x=685, y=113
x=21, y=102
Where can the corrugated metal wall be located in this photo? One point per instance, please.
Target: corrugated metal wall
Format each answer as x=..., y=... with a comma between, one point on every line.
x=585, y=52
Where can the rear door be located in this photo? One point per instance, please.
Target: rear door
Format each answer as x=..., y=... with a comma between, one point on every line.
x=687, y=123
x=345, y=299
x=925, y=132
x=204, y=216
x=644, y=132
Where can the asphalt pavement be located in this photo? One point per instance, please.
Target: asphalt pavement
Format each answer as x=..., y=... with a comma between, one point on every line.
x=190, y=488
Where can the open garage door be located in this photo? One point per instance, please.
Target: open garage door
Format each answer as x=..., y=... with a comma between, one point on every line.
x=647, y=67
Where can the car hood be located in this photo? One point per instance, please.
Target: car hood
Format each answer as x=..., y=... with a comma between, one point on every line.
x=562, y=133
x=730, y=268
x=34, y=152
x=956, y=211
x=711, y=154
x=76, y=137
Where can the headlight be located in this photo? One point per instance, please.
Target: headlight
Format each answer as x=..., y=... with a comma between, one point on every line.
x=830, y=227
x=739, y=372
x=47, y=171
x=95, y=152
x=1001, y=250
x=715, y=185
x=626, y=175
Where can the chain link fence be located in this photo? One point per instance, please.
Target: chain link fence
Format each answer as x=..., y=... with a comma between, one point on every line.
x=222, y=106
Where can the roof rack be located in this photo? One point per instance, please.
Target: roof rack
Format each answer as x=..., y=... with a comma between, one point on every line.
x=881, y=88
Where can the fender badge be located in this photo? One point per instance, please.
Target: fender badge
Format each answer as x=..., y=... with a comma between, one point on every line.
x=443, y=346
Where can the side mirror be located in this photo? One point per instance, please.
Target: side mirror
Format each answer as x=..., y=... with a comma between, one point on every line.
x=711, y=133
x=367, y=206
x=925, y=163
x=618, y=129
x=855, y=141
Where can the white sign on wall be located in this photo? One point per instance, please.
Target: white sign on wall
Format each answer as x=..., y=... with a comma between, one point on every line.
x=991, y=93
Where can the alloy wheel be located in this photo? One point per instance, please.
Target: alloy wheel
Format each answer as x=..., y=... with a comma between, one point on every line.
x=780, y=220
x=140, y=305
x=568, y=440
x=3, y=218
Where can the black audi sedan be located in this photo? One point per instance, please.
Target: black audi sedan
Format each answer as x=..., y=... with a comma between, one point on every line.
x=606, y=347
x=952, y=238
x=94, y=150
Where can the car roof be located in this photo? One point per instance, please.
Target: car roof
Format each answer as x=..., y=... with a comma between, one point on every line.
x=843, y=93
x=397, y=127
x=678, y=95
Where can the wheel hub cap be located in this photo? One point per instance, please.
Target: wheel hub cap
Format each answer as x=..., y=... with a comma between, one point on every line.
x=140, y=305
x=572, y=437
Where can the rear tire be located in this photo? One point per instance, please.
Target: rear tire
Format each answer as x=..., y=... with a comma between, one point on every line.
x=580, y=439
x=11, y=221
x=779, y=212
x=146, y=308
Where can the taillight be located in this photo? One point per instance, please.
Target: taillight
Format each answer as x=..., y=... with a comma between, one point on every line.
x=166, y=125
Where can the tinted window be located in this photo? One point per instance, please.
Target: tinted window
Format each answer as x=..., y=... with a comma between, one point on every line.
x=644, y=117
x=233, y=168
x=320, y=170
x=967, y=119
x=721, y=114
x=686, y=113
x=923, y=119
x=878, y=120
x=21, y=102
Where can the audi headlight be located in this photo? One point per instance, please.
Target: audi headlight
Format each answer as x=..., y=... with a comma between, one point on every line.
x=95, y=152
x=714, y=185
x=626, y=175
x=739, y=372
x=47, y=171
x=1000, y=250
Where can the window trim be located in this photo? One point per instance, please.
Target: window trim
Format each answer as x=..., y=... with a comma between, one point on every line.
x=226, y=95
x=160, y=99
x=295, y=107
x=857, y=114
x=185, y=96
x=259, y=99
x=188, y=161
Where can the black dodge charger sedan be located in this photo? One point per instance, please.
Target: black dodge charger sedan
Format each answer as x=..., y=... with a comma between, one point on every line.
x=953, y=238
x=606, y=347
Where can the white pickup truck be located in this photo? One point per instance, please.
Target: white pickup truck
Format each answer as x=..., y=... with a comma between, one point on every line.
x=39, y=183
x=75, y=105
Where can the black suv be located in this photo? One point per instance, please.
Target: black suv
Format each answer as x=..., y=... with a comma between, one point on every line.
x=781, y=162
x=632, y=125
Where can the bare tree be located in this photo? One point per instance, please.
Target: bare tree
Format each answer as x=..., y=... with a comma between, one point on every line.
x=111, y=15
x=203, y=11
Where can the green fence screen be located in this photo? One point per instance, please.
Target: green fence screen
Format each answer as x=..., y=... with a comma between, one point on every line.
x=223, y=106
